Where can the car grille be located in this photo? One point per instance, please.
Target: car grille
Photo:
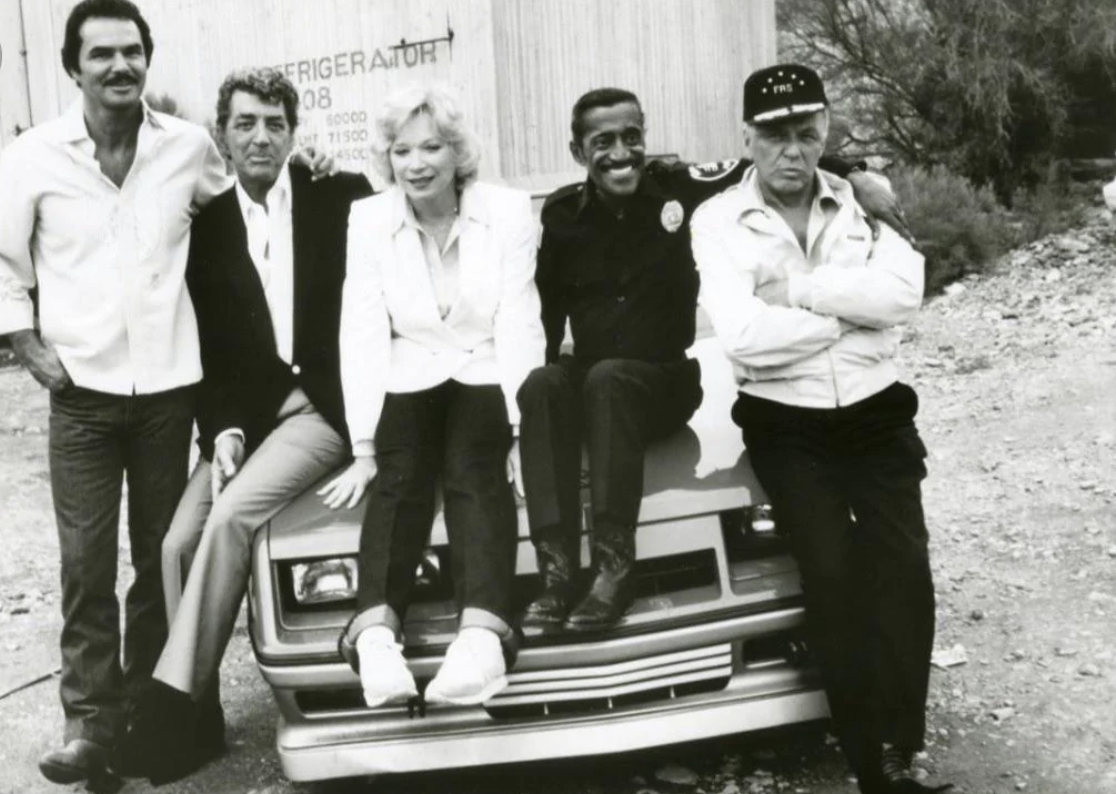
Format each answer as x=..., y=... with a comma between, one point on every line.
x=604, y=687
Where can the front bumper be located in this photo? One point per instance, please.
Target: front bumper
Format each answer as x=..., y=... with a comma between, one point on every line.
x=734, y=675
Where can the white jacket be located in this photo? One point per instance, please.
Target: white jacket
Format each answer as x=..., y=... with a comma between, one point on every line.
x=393, y=338
x=817, y=330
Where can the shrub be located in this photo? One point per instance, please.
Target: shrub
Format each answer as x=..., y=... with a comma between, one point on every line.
x=960, y=229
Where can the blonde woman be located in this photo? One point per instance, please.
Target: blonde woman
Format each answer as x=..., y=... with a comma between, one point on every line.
x=440, y=325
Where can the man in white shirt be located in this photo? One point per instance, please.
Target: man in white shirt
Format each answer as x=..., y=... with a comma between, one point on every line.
x=265, y=271
x=808, y=307
x=95, y=212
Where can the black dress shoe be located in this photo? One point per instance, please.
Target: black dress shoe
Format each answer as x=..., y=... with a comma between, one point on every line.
x=613, y=588
x=557, y=568
x=895, y=764
x=211, y=725
x=162, y=742
x=79, y=760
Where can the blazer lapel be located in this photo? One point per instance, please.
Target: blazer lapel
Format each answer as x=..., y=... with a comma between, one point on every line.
x=304, y=246
x=244, y=268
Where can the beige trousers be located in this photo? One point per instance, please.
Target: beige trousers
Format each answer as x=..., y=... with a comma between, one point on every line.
x=212, y=539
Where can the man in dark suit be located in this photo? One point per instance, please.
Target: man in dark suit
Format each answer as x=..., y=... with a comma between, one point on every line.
x=266, y=266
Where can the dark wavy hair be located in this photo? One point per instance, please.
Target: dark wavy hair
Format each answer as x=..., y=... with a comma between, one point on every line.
x=599, y=98
x=108, y=9
x=267, y=83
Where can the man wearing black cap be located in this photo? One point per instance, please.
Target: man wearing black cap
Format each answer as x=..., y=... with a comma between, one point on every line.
x=615, y=261
x=808, y=307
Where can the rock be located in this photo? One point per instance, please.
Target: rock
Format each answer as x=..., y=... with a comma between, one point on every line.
x=977, y=614
x=950, y=657
x=954, y=289
x=676, y=775
x=1089, y=670
x=1053, y=275
x=1065, y=653
x=1002, y=714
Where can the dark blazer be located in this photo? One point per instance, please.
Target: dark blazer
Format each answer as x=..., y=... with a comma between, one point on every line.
x=245, y=380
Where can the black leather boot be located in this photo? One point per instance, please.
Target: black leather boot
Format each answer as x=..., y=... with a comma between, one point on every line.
x=558, y=565
x=613, y=587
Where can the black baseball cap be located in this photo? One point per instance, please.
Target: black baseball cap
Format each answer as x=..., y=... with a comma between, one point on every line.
x=782, y=92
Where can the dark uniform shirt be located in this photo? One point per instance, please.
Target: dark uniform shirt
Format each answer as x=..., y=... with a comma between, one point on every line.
x=628, y=283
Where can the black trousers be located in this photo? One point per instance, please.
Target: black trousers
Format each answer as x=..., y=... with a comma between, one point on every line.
x=461, y=433
x=616, y=407
x=846, y=485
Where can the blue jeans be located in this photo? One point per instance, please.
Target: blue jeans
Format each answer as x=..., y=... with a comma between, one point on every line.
x=95, y=439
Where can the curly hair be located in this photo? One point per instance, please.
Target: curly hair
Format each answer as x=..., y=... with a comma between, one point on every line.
x=268, y=84
x=440, y=104
x=108, y=9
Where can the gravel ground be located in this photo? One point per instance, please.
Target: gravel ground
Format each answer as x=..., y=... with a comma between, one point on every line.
x=1016, y=373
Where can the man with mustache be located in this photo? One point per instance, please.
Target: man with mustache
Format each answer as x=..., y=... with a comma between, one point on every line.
x=615, y=261
x=807, y=305
x=95, y=213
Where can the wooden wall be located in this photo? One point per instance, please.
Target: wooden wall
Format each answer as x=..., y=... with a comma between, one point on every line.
x=519, y=64
x=15, y=105
x=685, y=59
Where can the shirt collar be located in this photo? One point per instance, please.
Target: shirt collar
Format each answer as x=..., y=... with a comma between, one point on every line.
x=278, y=198
x=649, y=187
x=470, y=207
x=72, y=127
x=752, y=199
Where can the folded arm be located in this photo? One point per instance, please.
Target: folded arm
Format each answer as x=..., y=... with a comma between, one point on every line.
x=884, y=293
x=752, y=332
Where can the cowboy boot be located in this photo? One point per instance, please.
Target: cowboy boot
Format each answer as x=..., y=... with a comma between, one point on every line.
x=558, y=565
x=613, y=588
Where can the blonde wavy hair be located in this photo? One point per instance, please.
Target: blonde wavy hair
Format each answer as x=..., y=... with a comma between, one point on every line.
x=441, y=105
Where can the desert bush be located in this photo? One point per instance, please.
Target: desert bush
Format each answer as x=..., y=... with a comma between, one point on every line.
x=1052, y=206
x=961, y=229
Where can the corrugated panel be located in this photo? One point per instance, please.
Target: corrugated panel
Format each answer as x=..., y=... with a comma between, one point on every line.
x=686, y=59
x=15, y=106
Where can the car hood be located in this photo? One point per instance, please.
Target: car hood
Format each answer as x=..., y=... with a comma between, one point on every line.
x=701, y=469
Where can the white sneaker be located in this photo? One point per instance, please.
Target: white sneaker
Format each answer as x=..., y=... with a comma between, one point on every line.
x=383, y=671
x=473, y=671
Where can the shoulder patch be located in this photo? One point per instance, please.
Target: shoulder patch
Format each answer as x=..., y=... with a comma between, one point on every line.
x=711, y=172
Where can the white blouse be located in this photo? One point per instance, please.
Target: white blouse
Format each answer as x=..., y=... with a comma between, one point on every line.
x=393, y=335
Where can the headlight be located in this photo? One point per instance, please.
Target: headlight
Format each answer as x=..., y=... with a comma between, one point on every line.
x=761, y=519
x=325, y=581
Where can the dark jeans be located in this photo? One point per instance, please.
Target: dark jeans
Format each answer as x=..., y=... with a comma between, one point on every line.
x=462, y=434
x=617, y=407
x=846, y=485
x=95, y=439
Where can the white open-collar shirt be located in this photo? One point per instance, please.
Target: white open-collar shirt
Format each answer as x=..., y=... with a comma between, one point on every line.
x=109, y=262
x=271, y=246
